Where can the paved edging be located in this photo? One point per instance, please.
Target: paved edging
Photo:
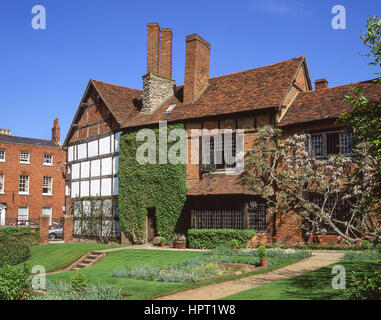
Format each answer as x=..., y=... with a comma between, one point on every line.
x=224, y=289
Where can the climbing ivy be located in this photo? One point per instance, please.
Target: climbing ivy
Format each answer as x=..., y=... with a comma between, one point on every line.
x=159, y=186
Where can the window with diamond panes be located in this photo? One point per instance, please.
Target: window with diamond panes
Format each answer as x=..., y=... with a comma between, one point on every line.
x=257, y=215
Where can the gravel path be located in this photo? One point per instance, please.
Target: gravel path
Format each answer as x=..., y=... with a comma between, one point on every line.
x=227, y=288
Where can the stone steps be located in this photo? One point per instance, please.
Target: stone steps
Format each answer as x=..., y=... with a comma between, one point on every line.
x=88, y=260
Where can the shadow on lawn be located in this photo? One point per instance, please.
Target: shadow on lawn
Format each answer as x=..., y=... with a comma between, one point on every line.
x=317, y=285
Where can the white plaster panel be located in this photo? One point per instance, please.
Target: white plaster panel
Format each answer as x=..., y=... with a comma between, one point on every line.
x=95, y=191
x=106, y=166
x=95, y=168
x=93, y=148
x=115, y=164
x=117, y=140
x=75, y=171
x=84, y=188
x=104, y=145
x=115, y=186
x=82, y=151
x=75, y=189
x=106, y=187
x=85, y=167
x=70, y=155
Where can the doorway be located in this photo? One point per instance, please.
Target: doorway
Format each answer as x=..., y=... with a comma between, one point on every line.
x=2, y=214
x=151, y=224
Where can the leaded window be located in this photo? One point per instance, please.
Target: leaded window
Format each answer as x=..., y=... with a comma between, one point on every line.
x=24, y=157
x=323, y=144
x=218, y=219
x=257, y=215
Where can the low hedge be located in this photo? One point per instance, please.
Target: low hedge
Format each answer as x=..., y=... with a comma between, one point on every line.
x=213, y=238
x=317, y=247
x=15, y=243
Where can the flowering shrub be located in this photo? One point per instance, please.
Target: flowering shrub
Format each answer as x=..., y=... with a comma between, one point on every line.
x=365, y=286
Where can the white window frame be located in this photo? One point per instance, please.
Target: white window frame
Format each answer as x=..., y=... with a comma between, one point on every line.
x=49, y=187
x=23, y=158
x=26, y=184
x=2, y=183
x=48, y=156
x=2, y=155
x=18, y=213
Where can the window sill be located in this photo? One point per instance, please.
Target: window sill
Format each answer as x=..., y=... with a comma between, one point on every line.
x=2, y=192
x=24, y=162
x=2, y=160
x=24, y=193
x=48, y=164
x=47, y=194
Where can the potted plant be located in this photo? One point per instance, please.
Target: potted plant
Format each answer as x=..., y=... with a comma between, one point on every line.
x=179, y=241
x=262, y=253
x=162, y=242
x=234, y=244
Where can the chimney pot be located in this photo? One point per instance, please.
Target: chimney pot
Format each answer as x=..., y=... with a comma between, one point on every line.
x=321, y=84
x=197, y=57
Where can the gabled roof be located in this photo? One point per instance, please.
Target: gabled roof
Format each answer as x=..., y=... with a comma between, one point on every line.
x=30, y=141
x=325, y=103
x=250, y=90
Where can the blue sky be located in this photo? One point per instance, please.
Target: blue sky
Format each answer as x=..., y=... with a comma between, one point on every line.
x=45, y=72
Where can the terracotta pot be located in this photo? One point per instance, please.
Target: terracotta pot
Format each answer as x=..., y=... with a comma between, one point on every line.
x=162, y=244
x=179, y=245
x=234, y=247
x=263, y=262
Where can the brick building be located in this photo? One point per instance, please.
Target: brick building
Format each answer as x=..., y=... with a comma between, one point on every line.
x=31, y=177
x=279, y=94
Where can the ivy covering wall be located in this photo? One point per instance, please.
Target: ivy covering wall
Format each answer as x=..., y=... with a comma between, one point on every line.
x=159, y=186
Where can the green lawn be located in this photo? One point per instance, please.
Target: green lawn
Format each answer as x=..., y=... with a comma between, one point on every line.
x=57, y=256
x=143, y=289
x=315, y=285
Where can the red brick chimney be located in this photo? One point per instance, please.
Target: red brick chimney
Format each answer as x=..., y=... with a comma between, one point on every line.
x=166, y=53
x=56, y=132
x=153, y=47
x=197, y=56
x=321, y=84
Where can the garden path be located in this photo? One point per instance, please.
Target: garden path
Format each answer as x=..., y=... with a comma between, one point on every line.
x=227, y=288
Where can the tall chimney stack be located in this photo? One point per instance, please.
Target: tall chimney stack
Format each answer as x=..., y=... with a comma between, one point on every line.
x=56, y=132
x=197, y=56
x=321, y=84
x=157, y=87
x=153, y=47
x=166, y=53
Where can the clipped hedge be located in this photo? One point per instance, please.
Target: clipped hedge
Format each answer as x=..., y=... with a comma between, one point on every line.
x=15, y=243
x=213, y=238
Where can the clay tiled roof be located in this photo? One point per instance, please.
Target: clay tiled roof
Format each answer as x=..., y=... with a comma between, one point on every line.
x=219, y=184
x=253, y=89
x=325, y=103
x=123, y=102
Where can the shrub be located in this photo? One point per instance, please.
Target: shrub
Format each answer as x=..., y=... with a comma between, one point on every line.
x=365, y=244
x=14, y=283
x=262, y=253
x=365, y=286
x=362, y=255
x=78, y=282
x=378, y=248
x=234, y=243
x=15, y=244
x=163, y=240
x=64, y=291
x=213, y=238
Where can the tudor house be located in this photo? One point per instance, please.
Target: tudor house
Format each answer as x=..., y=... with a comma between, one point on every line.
x=279, y=94
x=32, y=178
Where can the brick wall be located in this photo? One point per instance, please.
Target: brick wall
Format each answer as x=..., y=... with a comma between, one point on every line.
x=12, y=169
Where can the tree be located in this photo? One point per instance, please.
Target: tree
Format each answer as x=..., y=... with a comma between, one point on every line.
x=330, y=195
x=365, y=114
